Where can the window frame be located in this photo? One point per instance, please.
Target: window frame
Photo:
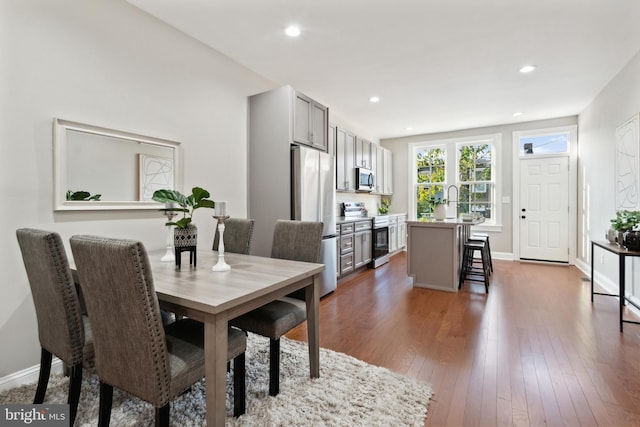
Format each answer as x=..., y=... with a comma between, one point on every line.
x=451, y=148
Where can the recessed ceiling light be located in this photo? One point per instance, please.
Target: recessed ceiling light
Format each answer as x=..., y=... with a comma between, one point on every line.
x=374, y=99
x=409, y=128
x=527, y=69
x=292, y=31
x=518, y=113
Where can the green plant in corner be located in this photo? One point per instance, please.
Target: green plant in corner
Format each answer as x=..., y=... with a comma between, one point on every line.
x=199, y=198
x=82, y=196
x=385, y=204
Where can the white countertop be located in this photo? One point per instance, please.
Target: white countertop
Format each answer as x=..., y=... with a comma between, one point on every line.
x=452, y=222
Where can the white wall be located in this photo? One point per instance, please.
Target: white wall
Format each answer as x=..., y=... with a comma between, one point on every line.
x=106, y=63
x=617, y=102
x=500, y=242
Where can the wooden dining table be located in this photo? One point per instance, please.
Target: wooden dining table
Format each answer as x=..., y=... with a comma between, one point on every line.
x=216, y=297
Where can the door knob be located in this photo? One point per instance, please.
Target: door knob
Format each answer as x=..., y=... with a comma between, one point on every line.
x=523, y=217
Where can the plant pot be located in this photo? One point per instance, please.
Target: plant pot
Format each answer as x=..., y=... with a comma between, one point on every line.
x=632, y=240
x=440, y=212
x=185, y=237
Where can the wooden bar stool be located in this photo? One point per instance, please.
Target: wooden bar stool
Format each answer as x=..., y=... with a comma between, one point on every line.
x=469, y=270
x=485, y=238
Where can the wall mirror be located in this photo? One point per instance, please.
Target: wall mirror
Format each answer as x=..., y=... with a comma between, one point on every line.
x=97, y=168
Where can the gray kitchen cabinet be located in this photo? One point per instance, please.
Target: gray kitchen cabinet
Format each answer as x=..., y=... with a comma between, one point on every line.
x=345, y=160
x=346, y=248
x=310, y=122
x=393, y=233
x=362, y=246
x=387, y=179
x=363, y=153
x=331, y=140
x=377, y=160
x=402, y=231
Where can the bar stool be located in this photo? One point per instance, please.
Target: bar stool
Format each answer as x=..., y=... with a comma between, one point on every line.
x=469, y=270
x=485, y=238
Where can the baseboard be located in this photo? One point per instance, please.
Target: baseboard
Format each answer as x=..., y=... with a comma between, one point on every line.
x=29, y=375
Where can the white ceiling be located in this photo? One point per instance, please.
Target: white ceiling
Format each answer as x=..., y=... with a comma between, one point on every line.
x=437, y=65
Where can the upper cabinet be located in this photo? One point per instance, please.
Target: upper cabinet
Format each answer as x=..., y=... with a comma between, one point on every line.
x=352, y=152
x=363, y=153
x=345, y=160
x=310, y=122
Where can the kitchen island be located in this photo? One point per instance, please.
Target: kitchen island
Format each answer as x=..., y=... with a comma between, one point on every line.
x=434, y=251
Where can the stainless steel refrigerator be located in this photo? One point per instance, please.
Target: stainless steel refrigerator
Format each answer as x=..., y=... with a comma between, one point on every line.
x=313, y=198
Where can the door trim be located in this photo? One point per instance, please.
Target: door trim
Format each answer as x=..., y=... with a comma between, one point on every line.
x=573, y=187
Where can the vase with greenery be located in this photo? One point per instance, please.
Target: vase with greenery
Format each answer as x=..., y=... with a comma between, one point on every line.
x=626, y=224
x=439, y=207
x=185, y=233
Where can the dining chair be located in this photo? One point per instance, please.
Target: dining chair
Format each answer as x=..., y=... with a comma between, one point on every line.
x=292, y=240
x=237, y=235
x=62, y=329
x=133, y=351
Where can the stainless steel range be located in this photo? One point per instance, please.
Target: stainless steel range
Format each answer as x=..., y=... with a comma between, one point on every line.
x=380, y=240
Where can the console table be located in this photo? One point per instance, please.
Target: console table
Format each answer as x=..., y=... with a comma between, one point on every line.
x=622, y=253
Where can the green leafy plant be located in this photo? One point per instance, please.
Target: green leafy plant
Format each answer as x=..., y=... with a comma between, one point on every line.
x=435, y=201
x=199, y=198
x=82, y=195
x=385, y=204
x=626, y=220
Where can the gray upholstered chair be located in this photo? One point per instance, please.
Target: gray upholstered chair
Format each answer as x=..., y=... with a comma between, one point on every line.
x=132, y=349
x=237, y=236
x=293, y=240
x=62, y=329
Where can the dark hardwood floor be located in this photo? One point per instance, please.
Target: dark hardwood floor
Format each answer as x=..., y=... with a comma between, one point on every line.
x=535, y=351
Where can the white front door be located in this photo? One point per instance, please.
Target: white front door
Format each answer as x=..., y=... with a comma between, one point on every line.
x=544, y=209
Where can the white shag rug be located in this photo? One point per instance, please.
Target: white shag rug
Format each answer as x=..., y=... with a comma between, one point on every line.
x=349, y=392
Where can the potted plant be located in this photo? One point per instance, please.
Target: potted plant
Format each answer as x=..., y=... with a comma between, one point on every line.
x=439, y=207
x=185, y=233
x=385, y=204
x=626, y=224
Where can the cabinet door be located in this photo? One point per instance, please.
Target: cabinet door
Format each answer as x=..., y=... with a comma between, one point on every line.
x=345, y=174
x=363, y=153
x=379, y=177
x=393, y=237
x=388, y=172
x=320, y=123
x=302, y=119
x=367, y=247
x=331, y=140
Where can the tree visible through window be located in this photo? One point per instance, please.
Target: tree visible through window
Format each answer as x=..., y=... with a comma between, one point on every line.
x=431, y=168
x=474, y=179
x=466, y=163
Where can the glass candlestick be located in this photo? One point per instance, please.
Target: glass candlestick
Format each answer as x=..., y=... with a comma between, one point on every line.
x=170, y=255
x=221, y=265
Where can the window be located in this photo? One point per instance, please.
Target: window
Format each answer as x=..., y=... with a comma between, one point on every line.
x=430, y=177
x=552, y=143
x=460, y=170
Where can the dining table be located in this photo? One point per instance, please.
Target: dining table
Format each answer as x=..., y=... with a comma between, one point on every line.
x=214, y=298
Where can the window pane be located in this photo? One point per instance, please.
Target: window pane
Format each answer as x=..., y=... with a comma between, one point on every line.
x=476, y=198
x=544, y=144
x=430, y=165
x=424, y=195
x=474, y=162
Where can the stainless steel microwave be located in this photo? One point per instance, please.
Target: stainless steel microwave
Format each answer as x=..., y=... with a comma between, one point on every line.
x=364, y=179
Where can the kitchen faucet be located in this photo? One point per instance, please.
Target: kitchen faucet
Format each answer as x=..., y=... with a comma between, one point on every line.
x=456, y=200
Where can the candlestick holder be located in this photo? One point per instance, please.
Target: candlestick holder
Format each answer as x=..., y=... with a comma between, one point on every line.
x=170, y=255
x=221, y=265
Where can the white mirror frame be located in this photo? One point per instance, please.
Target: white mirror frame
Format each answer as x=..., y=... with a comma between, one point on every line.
x=60, y=164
